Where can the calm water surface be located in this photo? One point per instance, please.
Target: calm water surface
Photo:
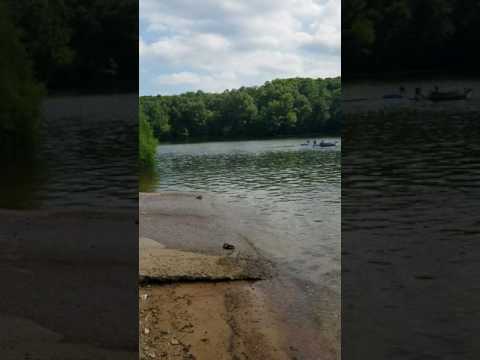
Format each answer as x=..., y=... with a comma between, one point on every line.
x=86, y=157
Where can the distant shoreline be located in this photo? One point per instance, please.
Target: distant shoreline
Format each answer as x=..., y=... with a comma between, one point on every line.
x=407, y=75
x=213, y=139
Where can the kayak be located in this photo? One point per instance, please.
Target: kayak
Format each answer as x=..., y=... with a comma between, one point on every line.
x=320, y=144
x=325, y=144
x=449, y=95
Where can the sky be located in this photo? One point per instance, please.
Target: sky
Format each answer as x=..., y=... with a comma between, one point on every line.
x=214, y=45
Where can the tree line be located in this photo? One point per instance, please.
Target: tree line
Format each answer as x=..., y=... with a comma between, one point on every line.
x=147, y=143
x=61, y=46
x=409, y=35
x=20, y=92
x=283, y=107
x=80, y=45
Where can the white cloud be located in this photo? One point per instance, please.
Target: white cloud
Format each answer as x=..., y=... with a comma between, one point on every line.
x=217, y=44
x=182, y=78
x=193, y=81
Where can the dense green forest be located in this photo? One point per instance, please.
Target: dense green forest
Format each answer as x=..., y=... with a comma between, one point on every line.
x=147, y=143
x=409, y=35
x=61, y=46
x=80, y=45
x=20, y=92
x=286, y=107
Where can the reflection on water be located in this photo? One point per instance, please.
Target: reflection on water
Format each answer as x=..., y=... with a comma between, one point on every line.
x=87, y=157
x=296, y=189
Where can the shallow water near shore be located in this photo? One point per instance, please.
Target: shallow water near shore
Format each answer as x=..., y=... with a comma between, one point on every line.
x=293, y=189
x=288, y=197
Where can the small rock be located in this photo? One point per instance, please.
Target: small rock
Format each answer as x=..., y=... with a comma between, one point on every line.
x=144, y=297
x=188, y=328
x=228, y=246
x=146, y=331
x=174, y=341
x=199, y=197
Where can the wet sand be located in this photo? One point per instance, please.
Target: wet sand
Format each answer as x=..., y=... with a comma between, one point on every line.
x=201, y=304
x=232, y=303
x=225, y=320
x=159, y=265
x=61, y=272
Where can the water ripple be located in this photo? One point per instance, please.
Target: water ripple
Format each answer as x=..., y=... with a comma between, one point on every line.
x=296, y=189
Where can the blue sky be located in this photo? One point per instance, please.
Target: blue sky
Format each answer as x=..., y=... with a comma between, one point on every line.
x=213, y=45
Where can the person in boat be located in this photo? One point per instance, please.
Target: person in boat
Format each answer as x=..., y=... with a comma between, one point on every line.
x=314, y=142
x=438, y=95
x=399, y=95
x=418, y=94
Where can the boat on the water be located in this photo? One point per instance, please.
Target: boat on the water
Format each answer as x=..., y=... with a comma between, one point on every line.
x=395, y=96
x=325, y=144
x=438, y=95
x=322, y=143
x=435, y=95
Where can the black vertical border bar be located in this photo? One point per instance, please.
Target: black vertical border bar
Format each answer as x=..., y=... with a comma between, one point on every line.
x=410, y=180
x=69, y=209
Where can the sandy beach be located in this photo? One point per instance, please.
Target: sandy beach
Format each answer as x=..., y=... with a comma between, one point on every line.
x=200, y=301
x=225, y=320
x=61, y=272
x=74, y=278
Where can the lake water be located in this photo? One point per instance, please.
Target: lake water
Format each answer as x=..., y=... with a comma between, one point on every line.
x=295, y=188
x=291, y=190
x=410, y=236
x=86, y=157
x=368, y=96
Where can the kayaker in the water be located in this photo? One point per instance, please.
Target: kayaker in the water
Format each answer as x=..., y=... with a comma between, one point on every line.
x=418, y=94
